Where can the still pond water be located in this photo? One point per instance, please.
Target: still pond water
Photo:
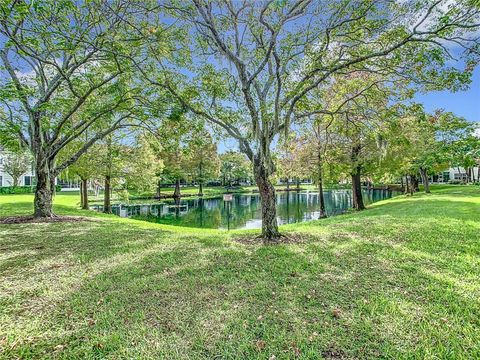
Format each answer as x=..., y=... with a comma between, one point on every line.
x=244, y=211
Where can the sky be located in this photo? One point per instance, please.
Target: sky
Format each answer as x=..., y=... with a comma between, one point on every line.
x=463, y=103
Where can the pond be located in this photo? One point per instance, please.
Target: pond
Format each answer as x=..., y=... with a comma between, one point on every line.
x=244, y=211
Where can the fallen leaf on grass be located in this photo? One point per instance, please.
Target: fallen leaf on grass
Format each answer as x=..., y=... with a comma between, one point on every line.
x=260, y=345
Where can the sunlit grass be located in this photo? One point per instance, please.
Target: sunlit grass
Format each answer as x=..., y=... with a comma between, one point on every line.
x=400, y=280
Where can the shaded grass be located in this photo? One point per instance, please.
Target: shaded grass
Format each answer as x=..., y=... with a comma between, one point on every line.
x=400, y=280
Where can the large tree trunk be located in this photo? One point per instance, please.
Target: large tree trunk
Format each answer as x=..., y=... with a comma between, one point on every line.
x=176, y=193
x=107, y=205
x=357, y=198
x=200, y=189
x=15, y=181
x=85, y=194
x=42, y=202
x=266, y=189
x=424, y=175
x=414, y=183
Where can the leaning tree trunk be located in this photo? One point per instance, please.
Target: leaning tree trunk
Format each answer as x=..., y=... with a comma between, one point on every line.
x=107, y=204
x=85, y=194
x=42, y=202
x=357, y=198
x=176, y=193
x=424, y=175
x=266, y=189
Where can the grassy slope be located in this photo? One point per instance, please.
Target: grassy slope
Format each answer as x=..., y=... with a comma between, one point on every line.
x=400, y=280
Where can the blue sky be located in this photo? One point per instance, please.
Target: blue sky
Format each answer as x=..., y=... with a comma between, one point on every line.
x=463, y=103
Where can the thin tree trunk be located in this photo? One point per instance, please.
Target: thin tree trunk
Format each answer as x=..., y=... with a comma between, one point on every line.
x=288, y=185
x=200, y=189
x=176, y=193
x=321, y=199
x=323, y=212
x=107, y=205
x=423, y=174
x=402, y=184
x=407, y=182
x=298, y=184
x=159, y=189
x=42, y=202
x=357, y=198
x=81, y=195
x=270, y=231
x=85, y=194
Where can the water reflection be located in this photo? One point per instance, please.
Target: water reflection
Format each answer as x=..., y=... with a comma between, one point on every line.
x=243, y=212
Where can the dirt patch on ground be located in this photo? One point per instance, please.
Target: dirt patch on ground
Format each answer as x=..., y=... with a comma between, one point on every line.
x=289, y=238
x=30, y=219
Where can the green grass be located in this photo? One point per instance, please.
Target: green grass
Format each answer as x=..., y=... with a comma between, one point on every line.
x=398, y=281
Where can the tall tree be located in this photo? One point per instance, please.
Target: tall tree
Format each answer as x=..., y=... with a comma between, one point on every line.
x=257, y=62
x=85, y=168
x=203, y=161
x=234, y=167
x=16, y=164
x=288, y=165
x=143, y=166
x=60, y=77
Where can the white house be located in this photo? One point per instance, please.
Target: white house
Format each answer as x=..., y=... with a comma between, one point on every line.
x=27, y=179
x=459, y=174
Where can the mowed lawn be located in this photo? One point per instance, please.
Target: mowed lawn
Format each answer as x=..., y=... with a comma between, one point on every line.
x=400, y=280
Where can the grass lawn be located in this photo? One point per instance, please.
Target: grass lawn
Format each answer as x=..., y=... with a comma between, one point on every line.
x=399, y=280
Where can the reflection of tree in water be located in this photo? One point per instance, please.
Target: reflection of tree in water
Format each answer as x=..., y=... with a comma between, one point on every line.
x=215, y=213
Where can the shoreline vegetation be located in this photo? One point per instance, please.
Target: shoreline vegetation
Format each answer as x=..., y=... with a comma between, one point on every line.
x=191, y=192
x=399, y=280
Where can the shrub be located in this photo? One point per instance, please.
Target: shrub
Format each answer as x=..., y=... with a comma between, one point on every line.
x=456, y=182
x=22, y=189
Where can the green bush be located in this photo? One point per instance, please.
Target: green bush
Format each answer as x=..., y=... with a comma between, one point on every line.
x=22, y=189
x=17, y=189
x=456, y=182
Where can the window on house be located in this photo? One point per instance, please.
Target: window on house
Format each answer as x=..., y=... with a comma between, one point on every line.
x=28, y=180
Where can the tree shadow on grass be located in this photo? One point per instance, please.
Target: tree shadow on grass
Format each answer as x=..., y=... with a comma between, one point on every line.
x=199, y=297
